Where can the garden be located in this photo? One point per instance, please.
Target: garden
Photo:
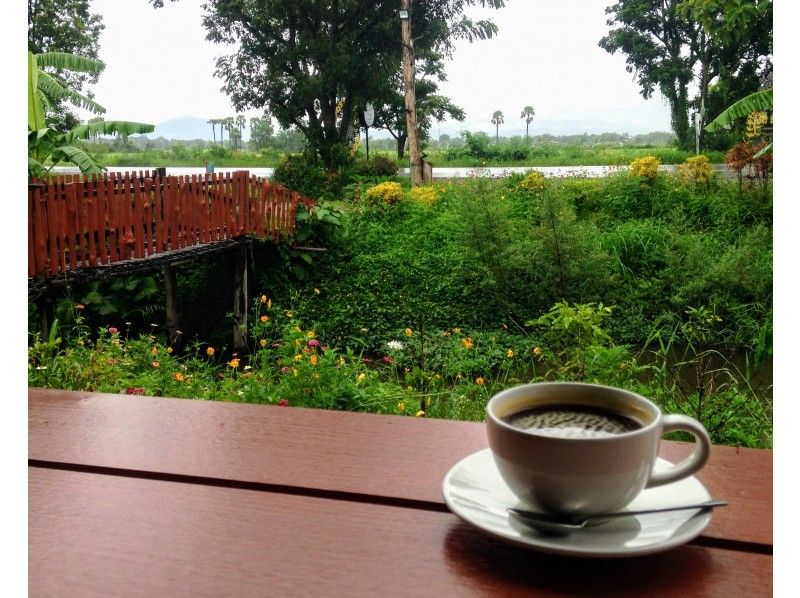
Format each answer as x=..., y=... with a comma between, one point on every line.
x=425, y=301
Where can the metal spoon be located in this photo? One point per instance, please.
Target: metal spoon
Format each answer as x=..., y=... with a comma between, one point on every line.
x=548, y=521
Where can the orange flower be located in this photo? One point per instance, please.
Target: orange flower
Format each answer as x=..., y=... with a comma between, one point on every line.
x=179, y=377
x=234, y=363
x=409, y=332
x=467, y=342
x=479, y=381
x=264, y=299
x=314, y=360
x=210, y=351
x=265, y=319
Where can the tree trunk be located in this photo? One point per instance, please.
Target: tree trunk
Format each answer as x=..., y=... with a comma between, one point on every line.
x=401, y=145
x=415, y=157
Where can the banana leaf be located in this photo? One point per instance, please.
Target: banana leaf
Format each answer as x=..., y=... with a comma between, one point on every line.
x=755, y=102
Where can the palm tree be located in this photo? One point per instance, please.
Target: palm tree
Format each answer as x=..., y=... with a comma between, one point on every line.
x=497, y=120
x=527, y=114
x=213, y=123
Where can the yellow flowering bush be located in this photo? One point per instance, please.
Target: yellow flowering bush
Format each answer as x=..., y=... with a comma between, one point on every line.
x=387, y=192
x=426, y=195
x=646, y=168
x=696, y=169
x=534, y=181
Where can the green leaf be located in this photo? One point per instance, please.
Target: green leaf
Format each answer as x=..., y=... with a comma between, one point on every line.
x=75, y=155
x=756, y=102
x=108, y=127
x=70, y=62
x=35, y=108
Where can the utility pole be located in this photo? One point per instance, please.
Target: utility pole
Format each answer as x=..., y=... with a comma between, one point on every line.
x=414, y=153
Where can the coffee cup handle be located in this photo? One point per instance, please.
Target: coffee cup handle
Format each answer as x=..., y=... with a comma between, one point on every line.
x=693, y=462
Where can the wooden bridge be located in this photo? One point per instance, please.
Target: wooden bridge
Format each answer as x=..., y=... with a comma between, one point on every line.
x=82, y=228
x=78, y=222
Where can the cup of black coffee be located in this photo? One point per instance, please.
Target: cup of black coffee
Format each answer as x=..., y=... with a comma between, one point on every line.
x=579, y=449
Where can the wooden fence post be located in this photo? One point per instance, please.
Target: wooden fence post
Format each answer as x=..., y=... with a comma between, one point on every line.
x=171, y=293
x=240, y=301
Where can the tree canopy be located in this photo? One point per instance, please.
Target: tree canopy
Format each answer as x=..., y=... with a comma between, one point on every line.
x=313, y=65
x=65, y=26
x=672, y=44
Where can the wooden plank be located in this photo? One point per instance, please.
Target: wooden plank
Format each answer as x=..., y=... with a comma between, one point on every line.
x=327, y=450
x=33, y=195
x=93, y=535
x=91, y=219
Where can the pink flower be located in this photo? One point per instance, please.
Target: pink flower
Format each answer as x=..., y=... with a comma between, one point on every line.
x=134, y=391
x=284, y=370
x=367, y=360
x=112, y=330
x=283, y=403
x=388, y=359
x=275, y=345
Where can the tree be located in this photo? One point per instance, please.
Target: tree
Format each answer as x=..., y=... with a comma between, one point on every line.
x=497, y=120
x=262, y=132
x=391, y=114
x=65, y=26
x=213, y=123
x=527, y=114
x=668, y=49
x=300, y=59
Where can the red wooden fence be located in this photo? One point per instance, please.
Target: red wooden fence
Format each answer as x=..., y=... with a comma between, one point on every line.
x=78, y=221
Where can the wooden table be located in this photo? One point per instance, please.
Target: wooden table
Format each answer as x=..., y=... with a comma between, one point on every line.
x=143, y=496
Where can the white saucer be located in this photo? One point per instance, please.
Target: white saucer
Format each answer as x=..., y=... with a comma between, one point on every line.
x=474, y=490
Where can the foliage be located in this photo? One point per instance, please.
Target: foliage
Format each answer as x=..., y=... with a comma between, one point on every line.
x=755, y=102
x=425, y=195
x=696, y=170
x=65, y=26
x=386, y=193
x=314, y=65
x=527, y=113
x=665, y=42
x=646, y=168
x=533, y=181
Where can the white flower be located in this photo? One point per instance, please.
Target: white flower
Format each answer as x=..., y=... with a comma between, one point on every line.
x=395, y=345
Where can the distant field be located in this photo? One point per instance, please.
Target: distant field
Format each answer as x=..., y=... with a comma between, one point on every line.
x=503, y=154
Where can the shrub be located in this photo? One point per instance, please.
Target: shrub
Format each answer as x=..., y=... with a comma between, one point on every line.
x=646, y=168
x=426, y=195
x=301, y=172
x=534, y=181
x=697, y=170
x=387, y=192
x=383, y=166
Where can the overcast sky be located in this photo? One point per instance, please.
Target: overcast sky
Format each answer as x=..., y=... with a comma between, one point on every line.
x=545, y=55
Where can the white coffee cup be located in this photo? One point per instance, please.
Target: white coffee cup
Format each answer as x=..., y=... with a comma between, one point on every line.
x=585, y=475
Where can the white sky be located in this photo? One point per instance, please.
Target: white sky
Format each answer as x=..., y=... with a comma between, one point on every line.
x=545, y=55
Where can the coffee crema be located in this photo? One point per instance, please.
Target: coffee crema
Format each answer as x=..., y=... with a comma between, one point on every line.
x=573, y=421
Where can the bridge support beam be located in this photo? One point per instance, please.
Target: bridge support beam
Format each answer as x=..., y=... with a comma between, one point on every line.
x=240, y=301
x=171, y=292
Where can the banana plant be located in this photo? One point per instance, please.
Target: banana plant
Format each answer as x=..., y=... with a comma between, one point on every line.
x=45, y=144
x=759, y=101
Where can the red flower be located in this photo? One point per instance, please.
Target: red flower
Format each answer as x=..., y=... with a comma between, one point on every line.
x=367, y=360
x=134, y=391
x=313, y=343
x=112, y=330
x=388, y=359
x=283, y=403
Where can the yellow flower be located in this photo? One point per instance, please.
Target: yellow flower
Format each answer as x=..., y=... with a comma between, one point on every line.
x=294, y=372
x=537, y=351
x=316, y=291
x=510, y=353
x=179, y=377
x=264, y=299
x=409, y=332
x=457, y=330
x=263, y=342
x=467, y=342
x=298, y=357
x=155, y=364
x=314, y=360
x=361, y=377
x=210, y=351
x=420, y=413
x=479, y=381
x=154, y=350
x=264, y=319
x=289, y=314
x=310, y=334
x=427, y=402
x=234, y=363
x=401, y=406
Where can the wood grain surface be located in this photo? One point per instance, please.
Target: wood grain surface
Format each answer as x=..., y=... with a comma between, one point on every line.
x=383, y=459
x=106, y=535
